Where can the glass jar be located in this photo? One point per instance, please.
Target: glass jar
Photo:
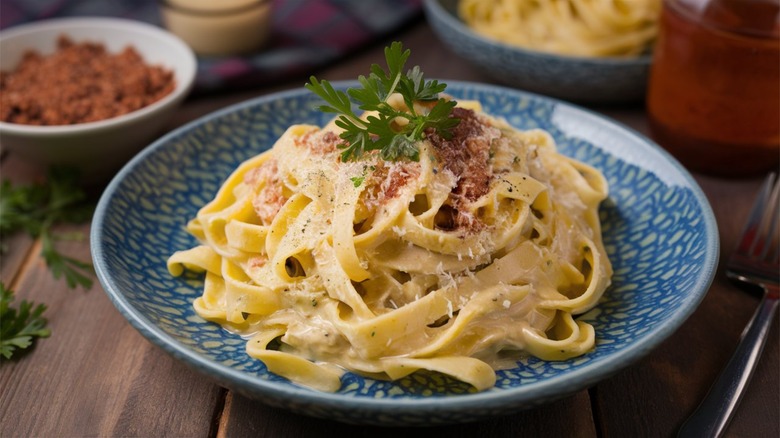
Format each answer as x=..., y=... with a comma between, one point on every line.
x=219, y=27
x=714, y=89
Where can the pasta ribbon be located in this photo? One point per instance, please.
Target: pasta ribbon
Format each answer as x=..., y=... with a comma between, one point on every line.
x=487, y=248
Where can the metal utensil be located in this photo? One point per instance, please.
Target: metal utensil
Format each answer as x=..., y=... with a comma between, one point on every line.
x=754, y=261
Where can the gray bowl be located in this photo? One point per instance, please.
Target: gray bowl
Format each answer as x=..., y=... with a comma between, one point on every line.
x=579, y=79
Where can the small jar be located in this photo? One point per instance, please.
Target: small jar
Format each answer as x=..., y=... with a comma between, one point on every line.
x=219, y=27
x=714, y=89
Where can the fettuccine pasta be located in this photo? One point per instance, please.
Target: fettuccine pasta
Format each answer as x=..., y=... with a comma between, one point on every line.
x=482, y=251
x=567, y=27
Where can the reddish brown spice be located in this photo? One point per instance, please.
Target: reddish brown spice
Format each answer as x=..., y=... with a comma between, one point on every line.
x=258, y=262
x=319, y=142
x=385, y=181
x=467, y=155
x=270, y=199
x=80, y=83
x=393, y=178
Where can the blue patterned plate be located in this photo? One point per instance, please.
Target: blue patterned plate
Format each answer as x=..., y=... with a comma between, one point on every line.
x=658, y=229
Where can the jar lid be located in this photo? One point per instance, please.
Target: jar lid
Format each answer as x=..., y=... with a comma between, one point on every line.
x=758, y=18
x=212, y=7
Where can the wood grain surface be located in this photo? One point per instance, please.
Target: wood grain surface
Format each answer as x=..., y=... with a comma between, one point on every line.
x=97, y=376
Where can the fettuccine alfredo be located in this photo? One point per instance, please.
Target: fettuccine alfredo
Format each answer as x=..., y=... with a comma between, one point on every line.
x=482, y=251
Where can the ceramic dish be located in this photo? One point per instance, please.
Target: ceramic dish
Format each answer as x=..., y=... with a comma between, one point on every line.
x=658, y=229
x=579, y=79
x=98, y=149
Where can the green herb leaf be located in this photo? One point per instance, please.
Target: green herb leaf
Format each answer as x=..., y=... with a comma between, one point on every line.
x=379, y=132
x=74, y=271
x=18, y=328
x=35, y=208
x=357, y=180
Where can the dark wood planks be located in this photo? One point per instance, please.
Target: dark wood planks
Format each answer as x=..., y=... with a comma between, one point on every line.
x=95, y=375
x=570, y=417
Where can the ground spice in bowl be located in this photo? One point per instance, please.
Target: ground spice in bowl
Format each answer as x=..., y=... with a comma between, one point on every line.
x=79, y=83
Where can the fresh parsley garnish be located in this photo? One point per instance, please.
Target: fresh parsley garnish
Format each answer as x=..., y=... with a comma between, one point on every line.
x=35, y=208
x=357, y=180
x=379, y=131
x=19, y=327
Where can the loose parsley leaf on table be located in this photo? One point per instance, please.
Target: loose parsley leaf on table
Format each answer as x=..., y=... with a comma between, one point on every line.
x=379, y=131
x=19, y=327
x=35, y=208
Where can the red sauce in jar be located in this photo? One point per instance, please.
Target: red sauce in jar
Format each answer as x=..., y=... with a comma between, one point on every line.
x=714, y=92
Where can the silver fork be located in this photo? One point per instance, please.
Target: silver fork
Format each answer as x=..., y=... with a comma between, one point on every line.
x=754, y=261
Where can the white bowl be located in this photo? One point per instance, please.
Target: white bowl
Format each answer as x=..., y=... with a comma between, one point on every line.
x=99, y=148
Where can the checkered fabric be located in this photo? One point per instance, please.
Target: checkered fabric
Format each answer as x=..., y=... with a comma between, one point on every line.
x=306, y=35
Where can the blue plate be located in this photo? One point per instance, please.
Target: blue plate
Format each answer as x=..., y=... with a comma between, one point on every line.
x=658, y=229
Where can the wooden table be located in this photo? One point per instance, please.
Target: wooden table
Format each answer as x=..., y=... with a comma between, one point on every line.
x=97, y=376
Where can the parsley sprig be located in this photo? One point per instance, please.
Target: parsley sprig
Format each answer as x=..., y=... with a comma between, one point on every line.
x=35, y=208
x=379, y=132
x=19, y=327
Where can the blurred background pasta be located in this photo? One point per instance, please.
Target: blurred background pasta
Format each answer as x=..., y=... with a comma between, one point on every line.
x=592, y=28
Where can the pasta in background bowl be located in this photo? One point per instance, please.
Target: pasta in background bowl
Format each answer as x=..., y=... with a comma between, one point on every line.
x=658, y=231
x=589, y=28
x=566, y=62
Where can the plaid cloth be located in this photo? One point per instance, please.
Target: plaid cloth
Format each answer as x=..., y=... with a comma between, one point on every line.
x=306, y=34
